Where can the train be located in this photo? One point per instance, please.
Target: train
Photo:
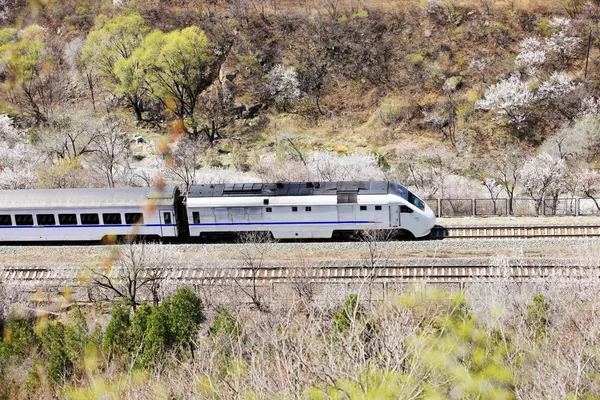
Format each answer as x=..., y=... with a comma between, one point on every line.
x=283, y=210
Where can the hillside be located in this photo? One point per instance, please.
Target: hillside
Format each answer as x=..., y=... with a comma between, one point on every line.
x=438, y=94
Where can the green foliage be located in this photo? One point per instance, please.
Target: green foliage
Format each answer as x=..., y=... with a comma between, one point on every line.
x=225, y=324
x=108, y=51
x=8, y=35
x=543, y=28
x=178, y=66
x=449, y=356
x=370, y=385
x=18, y=337
x=139, y=323
x=538, y=317
x=186, y=313
x=60, y=367
x=112, y=40
x=361, y=14
x=158, y=337
x=416, y=59
x=64, y=346
x=463, y=358
x=117, y=338
x=28, y=72
x=76, y=336
x=348, y=314
x=33, y=382
x=52, y=336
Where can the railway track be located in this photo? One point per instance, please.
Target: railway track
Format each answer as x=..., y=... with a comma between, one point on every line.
x=496, y=232
x=422, y=270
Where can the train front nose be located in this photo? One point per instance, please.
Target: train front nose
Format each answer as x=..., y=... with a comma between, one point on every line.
x=429, y=217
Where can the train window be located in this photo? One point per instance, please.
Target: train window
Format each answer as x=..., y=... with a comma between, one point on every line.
x=24, y=219
x=269, y=209
x=406, y=209
x=67, y=219
x=196, y=217
x=134, y=218
x=377, y=208
x=167, y=217
x=5, y=220
x=363, y=208
x=89, y=219
x=294, y=209
x=415, y=201
x=111, y=219
x=266, y=201
x=45, y=219
x=308, y=208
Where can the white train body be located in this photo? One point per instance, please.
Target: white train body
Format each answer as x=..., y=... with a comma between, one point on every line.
x=86, y=214
x=291, y=210
x=300, y=210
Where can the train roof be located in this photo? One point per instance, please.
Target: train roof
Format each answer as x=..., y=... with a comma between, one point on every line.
x=86, y=198
x=288, y=189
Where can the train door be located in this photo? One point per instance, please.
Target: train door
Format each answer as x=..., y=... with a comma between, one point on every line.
x=394, y=216
x=167, y=224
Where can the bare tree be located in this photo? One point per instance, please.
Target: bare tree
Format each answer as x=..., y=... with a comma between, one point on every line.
x=375, y=254
x=111, y=150
x=187, y=159
x=134, y=272
x=506, y=170
x=69, y=136
x=254, y=247
x=86, y=73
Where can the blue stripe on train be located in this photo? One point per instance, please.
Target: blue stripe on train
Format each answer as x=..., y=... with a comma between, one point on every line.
x=287, y=223
x=172, y=225
x=84, y=226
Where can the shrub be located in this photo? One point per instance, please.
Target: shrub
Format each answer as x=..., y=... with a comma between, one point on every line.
x=158, y=337
x=186, y=313
x=224, y=324
x=60, y=367
x=348, y=314
x=116, y=338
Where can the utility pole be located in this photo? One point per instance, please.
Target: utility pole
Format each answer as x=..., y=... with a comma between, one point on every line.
x=587, y=57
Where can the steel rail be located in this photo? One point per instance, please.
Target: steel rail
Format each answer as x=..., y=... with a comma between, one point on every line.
x=390, y=272
x=517, y=232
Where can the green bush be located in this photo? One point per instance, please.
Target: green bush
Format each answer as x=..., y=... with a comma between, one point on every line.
x=117, y=338
x=224, y=324
x=348, y=314
x=538, y=317
x=60, y=367
x=158, y=337
x=19, y=337
x=415, y=59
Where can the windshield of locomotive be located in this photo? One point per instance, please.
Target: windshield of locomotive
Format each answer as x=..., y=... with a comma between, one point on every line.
x=415, y=201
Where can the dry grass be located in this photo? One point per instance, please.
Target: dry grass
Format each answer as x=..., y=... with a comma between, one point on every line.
x=301, y=6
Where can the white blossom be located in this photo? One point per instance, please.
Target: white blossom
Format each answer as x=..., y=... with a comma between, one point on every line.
x=325, y=166
x=17, y=166
x=510, y=97
x=589, y=107
x=543, y=175
x=531, y=55
x=4, y=9
x=560, y=23
x=283, y=84
x=223, y=175
x=589, y=181
x=558, y=85
x=7, y=129
x=436, y=120
x=561, y=42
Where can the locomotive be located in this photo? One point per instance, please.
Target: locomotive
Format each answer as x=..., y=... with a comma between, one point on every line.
x=285, y=210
